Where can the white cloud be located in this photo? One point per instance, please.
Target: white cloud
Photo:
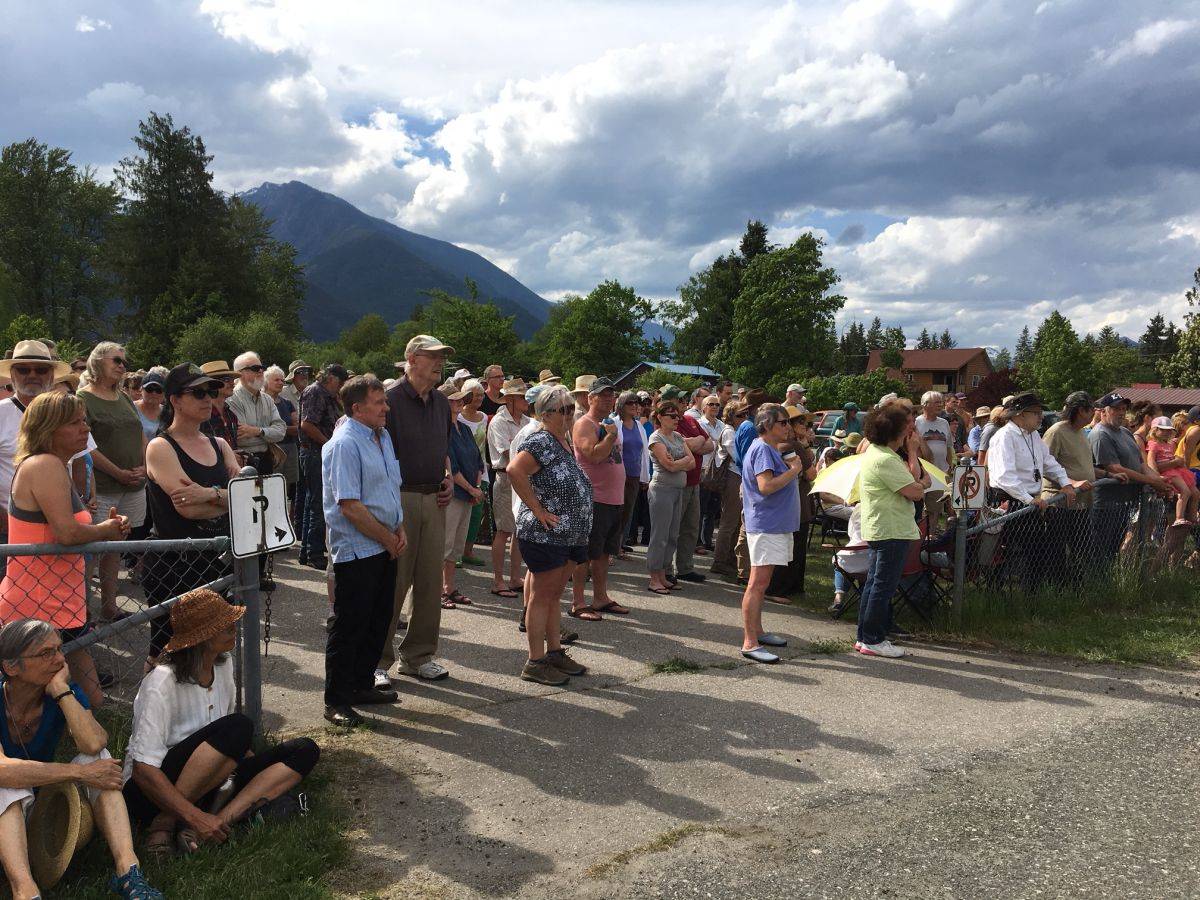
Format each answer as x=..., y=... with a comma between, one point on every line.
x=1148, y=40
x=87, y=24
x=821, y=93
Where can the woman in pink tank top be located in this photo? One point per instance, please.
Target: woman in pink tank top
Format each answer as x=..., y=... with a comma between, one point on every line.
x=44, y=509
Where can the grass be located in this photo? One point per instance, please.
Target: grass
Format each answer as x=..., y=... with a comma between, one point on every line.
x=677, y=665
x=830, y=647
x=657, y=844
x=1115, y=619
x=290, y=860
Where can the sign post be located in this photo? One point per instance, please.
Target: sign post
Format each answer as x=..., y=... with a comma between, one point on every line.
x=968, y=491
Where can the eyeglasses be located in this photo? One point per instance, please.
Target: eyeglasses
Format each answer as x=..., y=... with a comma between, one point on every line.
x=253, y=368
x=45, y=654
x=201, y=393
x=562, y=410
x=118, y=361
x=668, y=415
x=151, y=389
x=31, y=370
x=226, y=379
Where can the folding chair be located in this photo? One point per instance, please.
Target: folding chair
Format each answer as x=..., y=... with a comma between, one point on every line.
x=834, y=530
x=854, y=579
x=916, y=586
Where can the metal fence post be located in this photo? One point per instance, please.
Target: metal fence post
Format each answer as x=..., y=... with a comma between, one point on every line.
x=960, y=566
x=246, y=580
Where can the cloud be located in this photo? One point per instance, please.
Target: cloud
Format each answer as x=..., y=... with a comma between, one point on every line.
x=1148, y=40
x=87, y=24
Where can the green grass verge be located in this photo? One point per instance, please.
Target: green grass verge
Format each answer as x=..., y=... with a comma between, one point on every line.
x=291, y=860
x=676, y=665
x=1115, y=619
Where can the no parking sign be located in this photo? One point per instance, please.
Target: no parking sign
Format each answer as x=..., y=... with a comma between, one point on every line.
x=969, y=486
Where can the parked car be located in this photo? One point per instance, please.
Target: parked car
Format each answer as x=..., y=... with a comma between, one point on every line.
x=824, y=426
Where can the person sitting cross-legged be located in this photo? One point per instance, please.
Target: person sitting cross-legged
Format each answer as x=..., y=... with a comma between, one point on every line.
x=37, y=702
x=187, y=740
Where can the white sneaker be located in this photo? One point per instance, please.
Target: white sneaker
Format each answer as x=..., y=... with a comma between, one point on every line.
x=883, y=648
x=430, y=671
x=382, y=680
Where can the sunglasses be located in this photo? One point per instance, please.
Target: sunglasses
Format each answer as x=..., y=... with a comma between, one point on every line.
x=151, y=389
x=118, y=360
x=253, y=368
x=562, y=410
x=201, y=393
x=226, y=379
x=668, y=415
x=31, y=370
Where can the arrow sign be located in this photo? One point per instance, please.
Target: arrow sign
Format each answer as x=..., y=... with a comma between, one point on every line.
x=258, y=520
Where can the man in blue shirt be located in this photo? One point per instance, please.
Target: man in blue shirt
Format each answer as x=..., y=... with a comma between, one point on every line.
x=364, y=519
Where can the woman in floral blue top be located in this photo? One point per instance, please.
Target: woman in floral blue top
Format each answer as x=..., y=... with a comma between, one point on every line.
x=553, y=524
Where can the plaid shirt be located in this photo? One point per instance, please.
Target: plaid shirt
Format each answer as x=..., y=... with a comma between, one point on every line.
x=223, y=423
x=321, y=408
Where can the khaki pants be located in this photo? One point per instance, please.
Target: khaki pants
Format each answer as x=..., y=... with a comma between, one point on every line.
x=419, y=568
x=689, y=531
x=731, y=523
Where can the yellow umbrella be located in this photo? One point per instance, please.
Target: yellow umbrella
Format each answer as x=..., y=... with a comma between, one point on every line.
x=841, y=479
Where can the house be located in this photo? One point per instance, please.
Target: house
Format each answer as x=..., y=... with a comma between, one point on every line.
x=960, y=369
x=704, y=374
x=1169, y=400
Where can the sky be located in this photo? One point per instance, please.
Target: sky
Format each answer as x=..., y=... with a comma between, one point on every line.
x=972, y=166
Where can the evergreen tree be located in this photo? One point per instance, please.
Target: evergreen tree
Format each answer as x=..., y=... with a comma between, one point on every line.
x=1153, y=340
x=754, y=241
x=1024, y=351
x=852, y=350
x=925, y=342
x=946, y=342
x=1182, y=368
x=1002, y=360
x=875, y=335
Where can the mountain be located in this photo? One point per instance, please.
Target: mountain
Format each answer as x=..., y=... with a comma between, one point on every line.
x=357, y=264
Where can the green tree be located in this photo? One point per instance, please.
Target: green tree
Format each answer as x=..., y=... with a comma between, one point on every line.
x=783, y=316
x=875, y=335
x=598, y=334
x=1153, y=340
x=1182, y=368
x=946, y=341
x=833, y=391
x=1060, y=363
x=1024, y=351
x=54, y=219
x=653, y=379
x=24, y=327
x=925, y=341
x=852, y=350
x=479, y=332
x=1002, y=360
x=217, y=337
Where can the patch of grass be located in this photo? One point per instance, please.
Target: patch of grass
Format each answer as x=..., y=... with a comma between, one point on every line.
x=1118, y=618
x=657, y=844
x=676, y=665
x=830, y=647
x=288, y=861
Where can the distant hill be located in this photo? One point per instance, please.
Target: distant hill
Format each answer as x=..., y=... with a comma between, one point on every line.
x=357, y=264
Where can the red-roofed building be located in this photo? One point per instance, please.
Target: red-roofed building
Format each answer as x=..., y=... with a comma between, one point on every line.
x=960, y=369
x=1170, y=400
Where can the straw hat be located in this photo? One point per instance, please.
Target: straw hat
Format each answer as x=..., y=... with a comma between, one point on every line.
x=547, y=376
x=199, y=615
x=853, y=439
x=514, y=388
x=70, y=378
x=217, y=369
x=59, y=825
x=583, y=384
x=452, y=391
x=33, y=352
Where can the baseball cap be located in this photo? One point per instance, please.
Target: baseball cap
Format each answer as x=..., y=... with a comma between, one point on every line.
x=427, y=343
x=600, y=385
x=185, y=376
x=1163, y=422
x=532, y=394
x=1193, y=414
x=850, y=406
x=1115, y=399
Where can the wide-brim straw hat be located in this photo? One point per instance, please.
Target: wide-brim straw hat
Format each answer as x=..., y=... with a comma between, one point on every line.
x=547, y=376
x=34, y=352
x=583, y=384
x=199, y=615
x=218, y=368
x=514, y=388
x=69, y=378
x=59, y=825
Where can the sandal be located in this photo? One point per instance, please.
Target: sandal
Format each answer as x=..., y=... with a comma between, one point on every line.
x=188, y=841
x=586, y=613
x=448, y=602
x=159, y=845
x=457, y=597
x=505, y=592
x=663, y=591
x=612, y=606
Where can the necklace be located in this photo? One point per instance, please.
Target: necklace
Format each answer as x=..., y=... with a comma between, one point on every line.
x=17, y=727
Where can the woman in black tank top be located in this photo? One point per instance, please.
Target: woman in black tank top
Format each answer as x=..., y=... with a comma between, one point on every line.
x=187, y=474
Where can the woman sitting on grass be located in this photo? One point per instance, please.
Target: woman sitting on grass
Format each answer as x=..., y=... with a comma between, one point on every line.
x=187, y=741
x=37, y=701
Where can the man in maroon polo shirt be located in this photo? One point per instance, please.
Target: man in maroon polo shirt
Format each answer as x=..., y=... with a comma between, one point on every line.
x=418, y=421
x=698, y=441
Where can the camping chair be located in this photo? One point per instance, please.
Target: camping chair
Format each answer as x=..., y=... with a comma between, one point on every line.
x=833, y=528
x=853, y=566
x=915, y=587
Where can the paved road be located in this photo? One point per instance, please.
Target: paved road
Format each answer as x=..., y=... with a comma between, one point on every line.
x=951, y=773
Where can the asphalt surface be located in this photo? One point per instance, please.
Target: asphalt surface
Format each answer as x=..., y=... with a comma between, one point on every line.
x=951, y=773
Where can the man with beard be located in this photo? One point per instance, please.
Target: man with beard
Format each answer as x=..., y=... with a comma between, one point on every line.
x=259, y=422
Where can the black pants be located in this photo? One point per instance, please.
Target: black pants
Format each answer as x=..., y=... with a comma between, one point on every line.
x=710, y=511
x=363, y=602
x=789, y=579
x=230, y=736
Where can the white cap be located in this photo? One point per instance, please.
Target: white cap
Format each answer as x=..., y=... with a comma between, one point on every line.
x=796, y=387
x=463, y=373
x=1163, y=422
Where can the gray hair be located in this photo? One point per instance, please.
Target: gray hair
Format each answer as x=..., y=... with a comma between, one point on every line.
x=700, y=393
x=17, y=637
x=161, y=371
x=244, y=358
x=767, y=416
x=100, y=351
x=471, y=385
x=272, y=371
x=931, y=397
x=554, y=397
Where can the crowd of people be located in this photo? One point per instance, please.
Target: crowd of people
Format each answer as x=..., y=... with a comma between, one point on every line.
x=392, y=483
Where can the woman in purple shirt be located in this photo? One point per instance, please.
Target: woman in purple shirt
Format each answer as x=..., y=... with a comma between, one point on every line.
x=771, y=512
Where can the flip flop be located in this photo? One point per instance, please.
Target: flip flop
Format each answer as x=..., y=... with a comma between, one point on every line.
x=586, y=613
x=612, y=606
x=505, y=592
x=663, y=591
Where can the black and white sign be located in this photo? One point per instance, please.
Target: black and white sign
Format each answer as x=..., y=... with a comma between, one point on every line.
x=258, y=516
x=969, y=486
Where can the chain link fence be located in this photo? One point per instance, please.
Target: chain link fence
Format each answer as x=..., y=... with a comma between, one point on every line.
x=60, y=584
x=1012, y=549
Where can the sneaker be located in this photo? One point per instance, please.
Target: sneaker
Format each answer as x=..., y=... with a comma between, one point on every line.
x=564, y=663
x=429, y=671
x=884, y=648
x=134, y=886
x=541, y=672
x=383, y=681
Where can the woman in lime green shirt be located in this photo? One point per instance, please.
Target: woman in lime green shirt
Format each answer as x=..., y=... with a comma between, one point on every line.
x=887, y=489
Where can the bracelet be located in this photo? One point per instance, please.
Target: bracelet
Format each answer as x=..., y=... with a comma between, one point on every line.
x=67, y=693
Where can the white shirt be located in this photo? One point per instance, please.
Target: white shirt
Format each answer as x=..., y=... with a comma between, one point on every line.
x=10, y=424
x=526, y=430
x=714, y=430
x=937, y=438
x=725, y=450
x=501, y=431
x=165, y=712
x=1013, y=455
